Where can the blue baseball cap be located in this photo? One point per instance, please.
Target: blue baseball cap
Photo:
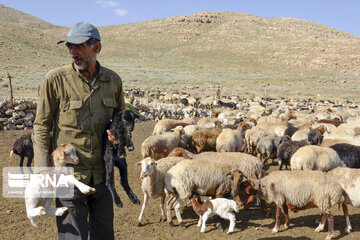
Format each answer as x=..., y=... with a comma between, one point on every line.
x=81, y=32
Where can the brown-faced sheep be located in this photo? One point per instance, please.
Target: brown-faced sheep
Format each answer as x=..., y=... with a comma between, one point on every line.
x=207, y=178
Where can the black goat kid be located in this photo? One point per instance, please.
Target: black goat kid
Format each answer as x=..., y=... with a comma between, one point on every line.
x=23, y=146
x=121, y=128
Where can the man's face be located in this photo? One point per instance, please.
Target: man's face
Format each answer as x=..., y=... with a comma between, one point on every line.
x=83, y=55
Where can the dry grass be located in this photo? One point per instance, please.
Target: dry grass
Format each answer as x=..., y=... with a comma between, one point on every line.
x=247, y=54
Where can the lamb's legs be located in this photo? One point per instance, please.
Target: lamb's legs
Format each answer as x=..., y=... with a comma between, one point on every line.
x=146, y=197
x=29, y=161
x=231, y=217
x=204, y=219
x=85, y=189
x=121, y=164
x=53, y=211
x=21, y=161
x=200, y=221
x=109, y=165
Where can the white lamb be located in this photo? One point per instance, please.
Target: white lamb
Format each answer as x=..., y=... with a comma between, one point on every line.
x=219, y=206
x=36, y=201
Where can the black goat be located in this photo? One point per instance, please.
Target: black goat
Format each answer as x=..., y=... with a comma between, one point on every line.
x=348, y=153
x=184, y=102
x=121, y=128
x=290, y=130
x=287, y=148
x=227, y=104
x=315, y=136
x=23, y=146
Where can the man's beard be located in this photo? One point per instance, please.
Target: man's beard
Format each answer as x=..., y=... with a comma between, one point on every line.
x=81, y=67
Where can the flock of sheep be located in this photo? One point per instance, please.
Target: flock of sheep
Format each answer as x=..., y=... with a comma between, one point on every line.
x=227, y=156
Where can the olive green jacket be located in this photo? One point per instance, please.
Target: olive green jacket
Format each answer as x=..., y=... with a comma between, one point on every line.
x=78, y=113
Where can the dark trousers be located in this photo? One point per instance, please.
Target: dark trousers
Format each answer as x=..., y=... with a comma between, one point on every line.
x=88, y=216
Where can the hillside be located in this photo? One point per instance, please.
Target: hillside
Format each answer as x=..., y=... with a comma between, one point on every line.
x=228, y=48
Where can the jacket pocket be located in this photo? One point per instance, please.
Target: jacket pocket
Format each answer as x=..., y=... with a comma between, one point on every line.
x=108, y=102
x=70, y=113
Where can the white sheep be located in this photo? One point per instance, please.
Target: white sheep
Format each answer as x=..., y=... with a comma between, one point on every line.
x=349, y=180
x=37, y=201
x=300, y=190
x=301, y=134
x=165, y=125
x=152, y=176
x=312, y=157
x=159, y=146
x=218, y=206
x=208, y=178
x=230, y=141
x=249, y=165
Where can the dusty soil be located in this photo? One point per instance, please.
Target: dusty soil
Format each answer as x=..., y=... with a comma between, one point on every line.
x=251, y=224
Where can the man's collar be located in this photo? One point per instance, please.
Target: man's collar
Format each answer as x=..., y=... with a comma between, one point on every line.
x=98, y=69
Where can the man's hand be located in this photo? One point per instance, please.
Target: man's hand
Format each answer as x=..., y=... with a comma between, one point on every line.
x=111, y=138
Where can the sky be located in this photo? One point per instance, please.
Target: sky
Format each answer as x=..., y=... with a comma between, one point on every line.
x=343, y=15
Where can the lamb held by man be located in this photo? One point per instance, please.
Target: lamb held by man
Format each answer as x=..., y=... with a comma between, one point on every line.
x=121, y=127
x=37, y=201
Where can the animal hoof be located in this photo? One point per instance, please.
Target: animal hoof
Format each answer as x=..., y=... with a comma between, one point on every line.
x=135, y=200
x=91, y=191
x=182, y=225
x=229, y=232
x=43, y=212
x=220, y=227
x=139, y=224
x=131, y=148
x=348, y=229
x=171, y=224
x=320, y=228
x=275, y=230
x=330, y=236
x=122, y=155
x=119, y=204
x=286, y=226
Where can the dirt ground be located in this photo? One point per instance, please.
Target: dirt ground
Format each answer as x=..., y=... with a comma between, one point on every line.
x=251, y=224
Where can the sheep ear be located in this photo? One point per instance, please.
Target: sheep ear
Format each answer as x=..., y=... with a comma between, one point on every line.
x=138, y=163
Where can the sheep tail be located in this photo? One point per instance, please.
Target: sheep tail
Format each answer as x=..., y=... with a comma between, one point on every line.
x=234, y=206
